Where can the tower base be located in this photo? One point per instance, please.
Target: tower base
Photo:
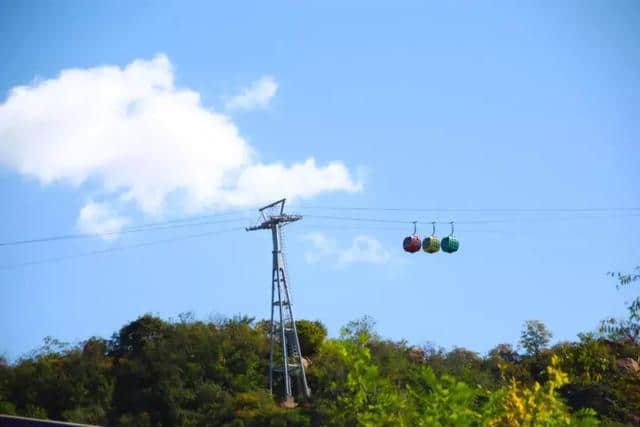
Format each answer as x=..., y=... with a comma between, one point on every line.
x=288, y=403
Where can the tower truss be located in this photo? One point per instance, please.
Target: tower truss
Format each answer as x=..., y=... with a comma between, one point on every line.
x=292, y=367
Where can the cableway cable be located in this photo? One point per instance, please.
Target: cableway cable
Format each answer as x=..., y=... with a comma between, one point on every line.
x=137, y=229
x=184, y=223
x=117, y=249
x=515, y=210
x=490, y=221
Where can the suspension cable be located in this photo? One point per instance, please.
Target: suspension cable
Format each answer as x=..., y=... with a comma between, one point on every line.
x=115, y=249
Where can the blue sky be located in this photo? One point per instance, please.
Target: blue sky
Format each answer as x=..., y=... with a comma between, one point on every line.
x=470, y=105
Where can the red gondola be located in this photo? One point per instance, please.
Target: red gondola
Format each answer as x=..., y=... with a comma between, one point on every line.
x=412, y=243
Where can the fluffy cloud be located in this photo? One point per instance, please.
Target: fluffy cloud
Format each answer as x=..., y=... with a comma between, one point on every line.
x=100, y=218
x=364, y=249
x=321, y=247
x=146, y=141
x=256, y=96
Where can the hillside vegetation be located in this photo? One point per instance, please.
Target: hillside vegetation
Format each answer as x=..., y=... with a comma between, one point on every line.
x=188, y=372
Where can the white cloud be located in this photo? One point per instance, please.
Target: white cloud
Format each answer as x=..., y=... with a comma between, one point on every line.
x=321, y=247
x=256, y=96
x=364, y=250
x=142, y=139
x=100, y=218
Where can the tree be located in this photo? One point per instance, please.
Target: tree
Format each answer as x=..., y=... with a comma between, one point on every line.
x=624, y=329
x=365, y=325
x=534, y=337
x=311, y=335
x=6, y=407
x=191, y=373
x=443, y=401
x=465, y=365
x=504, y=352
x=352, y=389
x=516, y=405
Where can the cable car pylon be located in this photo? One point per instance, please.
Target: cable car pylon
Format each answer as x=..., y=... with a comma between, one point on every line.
x=292, y=361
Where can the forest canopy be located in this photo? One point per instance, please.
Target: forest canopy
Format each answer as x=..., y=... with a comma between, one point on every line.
x=190, y=372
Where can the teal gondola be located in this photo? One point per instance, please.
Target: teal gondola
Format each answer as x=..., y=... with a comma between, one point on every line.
x=450, y=244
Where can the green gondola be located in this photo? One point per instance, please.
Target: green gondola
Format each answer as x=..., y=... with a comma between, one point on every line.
x=450, y=244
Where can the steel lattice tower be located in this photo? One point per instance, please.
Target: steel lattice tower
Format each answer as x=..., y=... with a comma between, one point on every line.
x=292, y=363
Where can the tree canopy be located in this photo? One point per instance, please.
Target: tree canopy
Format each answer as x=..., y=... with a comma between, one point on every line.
x=535, y=336
x=188, y=372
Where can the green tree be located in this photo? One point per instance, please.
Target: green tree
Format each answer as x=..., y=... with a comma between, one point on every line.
x=629, y=328
x=311, y=335
x=534, y=337
x=357, y=393
x=364, y=326
x=257, y=409
x=172, y=373
x=6, y=407
x=468, y=366
x=518, y=405
x=505, y=353
x=443, y=401
x=191, y=373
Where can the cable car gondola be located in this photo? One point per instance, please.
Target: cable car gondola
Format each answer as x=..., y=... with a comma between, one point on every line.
x=431, y=244
x=412, y=243
x=450, y=244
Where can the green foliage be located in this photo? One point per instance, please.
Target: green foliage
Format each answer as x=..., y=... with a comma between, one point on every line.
x=624, y=329
x=516, y=405
x=311, y=336
x=504, y=352
x=443, y=401
x=257, y=409
x=365, y=326
x=354, y=392
x=628, y=278
x=596, y=379
x=463, y=364
x=534, y=337
x=588, y=361
x=55, y=383
x=191, y=373
x=175, y=372
x=6, y=407
x=363, y=397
